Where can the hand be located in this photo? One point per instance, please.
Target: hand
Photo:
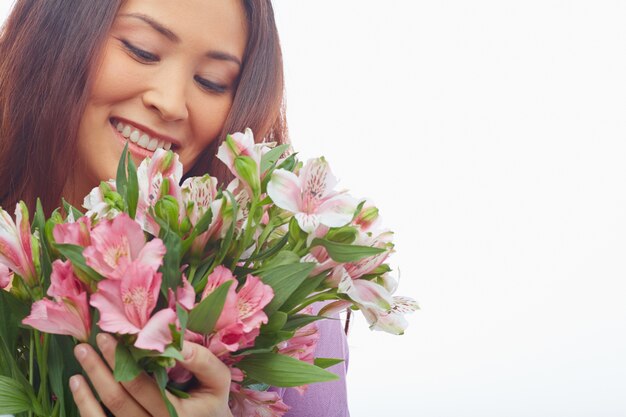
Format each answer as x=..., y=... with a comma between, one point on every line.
x=141, y=397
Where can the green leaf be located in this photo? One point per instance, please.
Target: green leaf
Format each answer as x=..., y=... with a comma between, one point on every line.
x=326, y=362
x=275, y=322
x=75, y=254
x=12, y=311
x=71, y=209
x=202, y=318
x=273, y=155
x=300, y=320
x=284, y=280
x=126, y=367
x=39, y=223
x=132, y=193
x=160, y=375
x=342, y=252
x=171, y=261
x=225, y=245
x=121, y=180
x=304, y=290
x=272, y=250
x=13, y=397
x=346, y=234
x=289, y=163
x=285, y=257
x=62, y=364
x=282, y=371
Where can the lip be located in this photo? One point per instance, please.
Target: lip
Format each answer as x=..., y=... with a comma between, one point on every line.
x=137, y=152
x=175, y=142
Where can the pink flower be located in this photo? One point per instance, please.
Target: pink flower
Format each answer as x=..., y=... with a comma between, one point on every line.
x=250, y=403
x=242, y=315
x=97, y=203
x=116, y=243
x=16, y=244
x=251, y=299
x=391, y=320
x=76, y=233
x=199, y=196
x=303, y=343
x=311, y=197
x=69, y=313
x=6, y=278
x=243, y=158
x=158, y=176
x=126, y=306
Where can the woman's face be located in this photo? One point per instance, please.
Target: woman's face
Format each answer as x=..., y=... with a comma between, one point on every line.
x=167, y=79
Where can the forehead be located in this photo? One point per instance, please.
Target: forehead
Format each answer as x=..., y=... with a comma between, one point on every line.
x=202, y=24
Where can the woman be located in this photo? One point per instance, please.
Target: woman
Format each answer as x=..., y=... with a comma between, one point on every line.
x=79, y=79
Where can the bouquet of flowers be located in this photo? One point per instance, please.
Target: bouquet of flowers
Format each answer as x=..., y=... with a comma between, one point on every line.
x=155, y=263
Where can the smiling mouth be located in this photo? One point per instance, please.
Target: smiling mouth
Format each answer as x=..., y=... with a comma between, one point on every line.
x=140, y=138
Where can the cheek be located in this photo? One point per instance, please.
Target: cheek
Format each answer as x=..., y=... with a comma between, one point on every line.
x=208, y=119
x=116, y=78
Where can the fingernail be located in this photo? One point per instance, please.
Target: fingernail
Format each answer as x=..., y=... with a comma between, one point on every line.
x=102, y=340
x=74, y=383
x=187, y=351
x=80, y=352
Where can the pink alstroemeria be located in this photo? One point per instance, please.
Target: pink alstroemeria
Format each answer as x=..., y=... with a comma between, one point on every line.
x=245, y=402
x=311, y=196
x=126, y=307
x=391, y=321
x=68, y=313
x=243, y=156
x=156, y=174
x=16, y=244
x=363, y=292
x=6, y=278
x=199, y=196
x=242, y=315
x=116, y=243
x=75, y=233
x=97, y=205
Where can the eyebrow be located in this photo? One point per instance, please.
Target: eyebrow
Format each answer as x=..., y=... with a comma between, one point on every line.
x=219, y=55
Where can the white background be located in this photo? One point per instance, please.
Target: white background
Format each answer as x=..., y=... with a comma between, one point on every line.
x=492, y=135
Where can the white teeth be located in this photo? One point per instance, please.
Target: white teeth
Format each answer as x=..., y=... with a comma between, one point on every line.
x=139, y=138
x=143, y=142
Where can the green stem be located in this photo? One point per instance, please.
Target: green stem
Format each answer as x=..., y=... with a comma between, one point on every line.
x=31, y=366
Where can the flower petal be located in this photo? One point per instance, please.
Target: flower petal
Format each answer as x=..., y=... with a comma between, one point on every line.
x=108, y=300
x=156, y=333
x=337, y=211
x=365, y=293
x=285, y=190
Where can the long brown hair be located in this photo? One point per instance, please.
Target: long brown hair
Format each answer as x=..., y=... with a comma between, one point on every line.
x=48, y=50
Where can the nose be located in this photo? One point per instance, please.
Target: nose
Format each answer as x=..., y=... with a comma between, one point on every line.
x=167, y=95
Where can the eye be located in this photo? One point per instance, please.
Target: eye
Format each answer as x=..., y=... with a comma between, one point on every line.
x=210, y=86
x=139, y=54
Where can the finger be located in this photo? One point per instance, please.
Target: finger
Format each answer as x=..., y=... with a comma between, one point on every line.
x=87, y=404
x=143, y=388
x=117, y=400
x=211, y=372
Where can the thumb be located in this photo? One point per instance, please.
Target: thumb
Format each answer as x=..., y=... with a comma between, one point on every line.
x=211, y=372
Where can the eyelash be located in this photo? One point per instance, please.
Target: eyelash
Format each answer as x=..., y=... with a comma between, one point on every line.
x=148, y=58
